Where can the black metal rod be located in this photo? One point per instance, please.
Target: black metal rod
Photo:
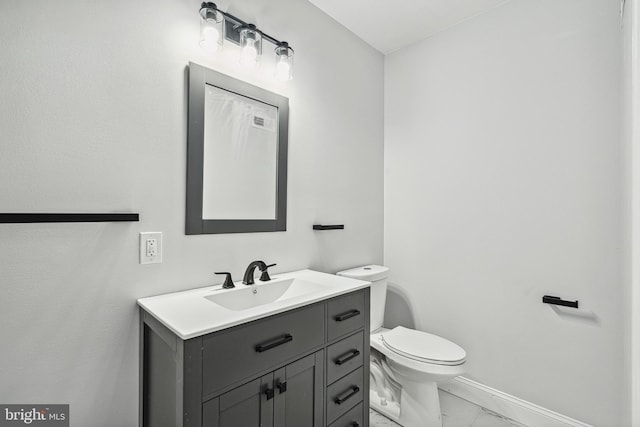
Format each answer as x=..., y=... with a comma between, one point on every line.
x=549, y=299
x=18, y=218
x=328, y=227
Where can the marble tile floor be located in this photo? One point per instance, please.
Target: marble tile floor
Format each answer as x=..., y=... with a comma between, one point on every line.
x=456, y=412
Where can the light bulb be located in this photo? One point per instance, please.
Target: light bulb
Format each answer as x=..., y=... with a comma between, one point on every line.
x=283, y=70
x=251, y=45
x=249, y=52
x=211, y=24
x=209, y=38
x=284, y=65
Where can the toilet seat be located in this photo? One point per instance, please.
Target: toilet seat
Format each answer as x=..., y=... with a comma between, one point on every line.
x=423, y=347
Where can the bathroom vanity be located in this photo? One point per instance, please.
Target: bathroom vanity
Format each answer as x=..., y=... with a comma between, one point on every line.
x=225, y=358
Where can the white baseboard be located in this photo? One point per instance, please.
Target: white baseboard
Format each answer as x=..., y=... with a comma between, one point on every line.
x=506, y=405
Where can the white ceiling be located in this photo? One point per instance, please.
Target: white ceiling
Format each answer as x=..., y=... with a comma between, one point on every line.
x=392, y=25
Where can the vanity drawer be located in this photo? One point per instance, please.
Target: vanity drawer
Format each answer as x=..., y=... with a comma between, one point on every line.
x=344, y=394
x=353, y=418
x=344, y=356
x=345, y=314
x=245, y=350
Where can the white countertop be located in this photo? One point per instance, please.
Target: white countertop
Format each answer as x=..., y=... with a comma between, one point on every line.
x=190, y=314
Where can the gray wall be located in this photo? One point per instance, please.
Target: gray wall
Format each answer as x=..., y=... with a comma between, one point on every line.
x=503, y=183
x=631, y=168
x=93, y=118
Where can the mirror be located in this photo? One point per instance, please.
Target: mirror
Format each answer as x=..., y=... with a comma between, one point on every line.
x=236, y=156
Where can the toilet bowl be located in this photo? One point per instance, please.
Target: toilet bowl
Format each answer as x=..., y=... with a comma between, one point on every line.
x=417, y=361
x=406, y=364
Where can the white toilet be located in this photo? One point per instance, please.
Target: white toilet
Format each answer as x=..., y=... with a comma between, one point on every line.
x=405, y=364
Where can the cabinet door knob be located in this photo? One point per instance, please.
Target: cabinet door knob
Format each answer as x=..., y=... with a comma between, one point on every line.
x=269, y=393
x=282, y=387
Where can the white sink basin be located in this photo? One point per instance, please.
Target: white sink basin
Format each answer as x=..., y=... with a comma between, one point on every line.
x=243, y=297
x=196, y=312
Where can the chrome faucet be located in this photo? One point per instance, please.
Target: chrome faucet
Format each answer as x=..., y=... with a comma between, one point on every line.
x=249, y=272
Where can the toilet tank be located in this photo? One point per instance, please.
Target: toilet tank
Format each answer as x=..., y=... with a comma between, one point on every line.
x=377, y=275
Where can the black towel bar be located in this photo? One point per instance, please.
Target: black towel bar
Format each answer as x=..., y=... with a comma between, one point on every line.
x=15, y=218
x=549, y=299
x=328, y=227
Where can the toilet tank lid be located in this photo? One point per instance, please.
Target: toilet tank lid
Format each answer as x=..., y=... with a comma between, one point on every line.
x=366, y=272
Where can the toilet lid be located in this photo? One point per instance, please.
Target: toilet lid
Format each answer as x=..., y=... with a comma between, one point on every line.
x=423, y=346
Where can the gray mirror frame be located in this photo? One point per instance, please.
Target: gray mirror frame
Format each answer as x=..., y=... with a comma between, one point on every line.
x=199, y=77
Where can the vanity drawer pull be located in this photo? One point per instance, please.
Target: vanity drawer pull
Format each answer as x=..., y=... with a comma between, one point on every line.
x=346, y=357
x=347, y=395
x=347, y=315
x=274, y=343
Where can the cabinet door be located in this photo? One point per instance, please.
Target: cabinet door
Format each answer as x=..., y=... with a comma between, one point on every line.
x=298, y=388
x=250, y=405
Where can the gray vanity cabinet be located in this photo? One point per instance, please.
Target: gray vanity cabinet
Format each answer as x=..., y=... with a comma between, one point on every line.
x=300, y=403
x=301, y=368
x=288, y=397
x=242, y=406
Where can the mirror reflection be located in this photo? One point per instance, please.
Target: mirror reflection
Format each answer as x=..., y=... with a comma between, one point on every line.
x=240, y=157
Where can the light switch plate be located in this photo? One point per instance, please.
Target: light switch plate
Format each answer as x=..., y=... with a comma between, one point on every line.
x=151, y=247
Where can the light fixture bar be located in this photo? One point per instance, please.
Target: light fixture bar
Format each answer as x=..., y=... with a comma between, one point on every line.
x=240, y=23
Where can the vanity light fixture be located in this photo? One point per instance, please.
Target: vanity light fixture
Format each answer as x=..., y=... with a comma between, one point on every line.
x=211, y=27
x=284, y=62
x=251, y=45
x=217, y=26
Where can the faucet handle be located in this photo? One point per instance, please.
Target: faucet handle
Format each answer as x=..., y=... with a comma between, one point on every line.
x=228, y=281
x=264, y=277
